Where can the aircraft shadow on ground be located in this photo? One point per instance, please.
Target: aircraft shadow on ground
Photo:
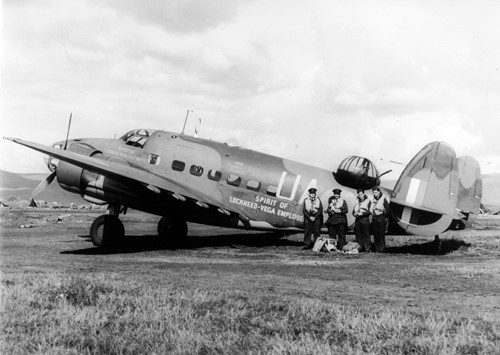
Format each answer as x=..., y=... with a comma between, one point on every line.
x=429, y=248
x=138, y=243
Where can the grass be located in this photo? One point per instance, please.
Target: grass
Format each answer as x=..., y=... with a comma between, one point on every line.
x=238, y=292
x=97, y=314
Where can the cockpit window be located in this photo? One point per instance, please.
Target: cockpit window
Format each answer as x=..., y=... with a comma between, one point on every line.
x=137, y=137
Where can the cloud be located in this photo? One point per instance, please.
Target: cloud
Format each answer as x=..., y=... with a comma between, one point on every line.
x=178, y=15
x=374, y=79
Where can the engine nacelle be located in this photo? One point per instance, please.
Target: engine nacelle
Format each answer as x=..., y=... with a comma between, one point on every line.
x=69, y=176
x=357, y=173
x=89, y=184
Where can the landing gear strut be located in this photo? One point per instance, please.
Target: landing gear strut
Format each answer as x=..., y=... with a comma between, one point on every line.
x=107, y=229
x=173, y=230
x=437, y=243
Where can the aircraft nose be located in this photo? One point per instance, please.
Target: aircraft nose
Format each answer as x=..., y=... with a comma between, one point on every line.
x=51, y=163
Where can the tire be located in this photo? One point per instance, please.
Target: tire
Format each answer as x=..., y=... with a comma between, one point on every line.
x=106, y=230
x=173, y=230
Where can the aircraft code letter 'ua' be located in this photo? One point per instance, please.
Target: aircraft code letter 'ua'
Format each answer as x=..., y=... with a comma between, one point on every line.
x=183, y=178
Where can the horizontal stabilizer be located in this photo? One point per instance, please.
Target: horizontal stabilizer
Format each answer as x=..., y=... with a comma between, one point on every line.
x=425, y=197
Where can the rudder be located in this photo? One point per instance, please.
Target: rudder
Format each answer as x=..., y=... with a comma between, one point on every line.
x=469, y=193
x=425, y=196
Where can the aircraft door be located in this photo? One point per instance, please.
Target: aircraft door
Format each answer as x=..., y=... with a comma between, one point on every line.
x=288, y=184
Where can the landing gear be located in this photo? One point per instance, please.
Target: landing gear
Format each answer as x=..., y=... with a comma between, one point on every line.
x=437, y=244
x=173, y=230
x=107, y=229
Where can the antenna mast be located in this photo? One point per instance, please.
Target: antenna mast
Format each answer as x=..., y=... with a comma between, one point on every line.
x=185, y=121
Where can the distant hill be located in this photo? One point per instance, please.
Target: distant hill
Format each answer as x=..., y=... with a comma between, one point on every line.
x=19, y=186
x=15, y=181
x=14, y=185
x=491, y=190
x=35, y=176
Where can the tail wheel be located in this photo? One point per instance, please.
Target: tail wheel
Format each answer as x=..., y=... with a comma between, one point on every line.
x=173, y=229
x=106, y=230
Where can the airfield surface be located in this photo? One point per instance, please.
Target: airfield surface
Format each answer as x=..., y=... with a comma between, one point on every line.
x=408, y=299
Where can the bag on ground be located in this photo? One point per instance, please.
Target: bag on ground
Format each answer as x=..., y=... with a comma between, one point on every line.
x=319, y=244
x=324, y=244
x=351, y=248
x=330, y=245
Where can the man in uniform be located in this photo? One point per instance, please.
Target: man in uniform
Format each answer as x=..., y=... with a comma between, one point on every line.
x=361, y=211
x=337, y=221
x=379, y=210
x=313, y=218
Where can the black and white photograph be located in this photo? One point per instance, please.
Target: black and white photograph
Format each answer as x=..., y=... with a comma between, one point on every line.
x=249, y=177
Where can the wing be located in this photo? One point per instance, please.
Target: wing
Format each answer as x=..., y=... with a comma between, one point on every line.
x=128, y=174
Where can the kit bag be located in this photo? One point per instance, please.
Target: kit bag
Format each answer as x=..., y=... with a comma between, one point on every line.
x=324, y=244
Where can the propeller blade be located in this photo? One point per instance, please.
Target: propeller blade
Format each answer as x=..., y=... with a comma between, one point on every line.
x=43, y=184
x=67, y=134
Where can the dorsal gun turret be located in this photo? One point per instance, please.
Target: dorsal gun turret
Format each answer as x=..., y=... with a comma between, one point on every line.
x=357, y=173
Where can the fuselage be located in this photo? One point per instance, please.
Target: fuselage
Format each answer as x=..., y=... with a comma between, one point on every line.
x=183, y=178
x=267, y=191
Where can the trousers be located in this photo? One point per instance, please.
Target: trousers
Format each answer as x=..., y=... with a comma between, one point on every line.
x=378, y=229
x=362, y=232
x=312, y=231
x=337, y=231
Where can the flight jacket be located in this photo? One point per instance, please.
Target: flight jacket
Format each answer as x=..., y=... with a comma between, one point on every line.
x=336, y=217
x=363, y=206
x=380, y=207
x=311, y=209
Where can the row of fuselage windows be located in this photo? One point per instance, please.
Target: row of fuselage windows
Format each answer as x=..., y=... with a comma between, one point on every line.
x=215, y=175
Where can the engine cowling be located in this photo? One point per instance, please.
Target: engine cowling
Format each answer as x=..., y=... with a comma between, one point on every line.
x=90, y=184
x=69, y=176
x=357, y=173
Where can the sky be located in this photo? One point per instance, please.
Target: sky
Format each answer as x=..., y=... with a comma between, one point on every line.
x=311, y=81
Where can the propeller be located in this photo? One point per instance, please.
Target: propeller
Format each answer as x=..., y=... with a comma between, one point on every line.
x=48, y=180
x=43, y=184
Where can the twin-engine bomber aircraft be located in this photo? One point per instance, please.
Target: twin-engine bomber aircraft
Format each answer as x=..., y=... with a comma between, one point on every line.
x=183, y=178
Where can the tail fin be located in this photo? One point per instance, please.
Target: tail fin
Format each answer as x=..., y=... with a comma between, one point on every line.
x=469, y=193
x=425, y=197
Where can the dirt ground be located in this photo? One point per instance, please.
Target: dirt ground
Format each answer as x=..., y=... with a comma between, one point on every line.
x=464, y=279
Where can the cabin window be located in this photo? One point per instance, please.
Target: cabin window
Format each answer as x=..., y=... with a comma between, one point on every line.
x=196, y=170
x=233, y=180
x=214, y=175
x=253, y=185
x=271, y=190
x=178, y=165
x=154, y=159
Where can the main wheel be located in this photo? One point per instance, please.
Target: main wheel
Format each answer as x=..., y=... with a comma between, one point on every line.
x=173, y=230
x=106, y=230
